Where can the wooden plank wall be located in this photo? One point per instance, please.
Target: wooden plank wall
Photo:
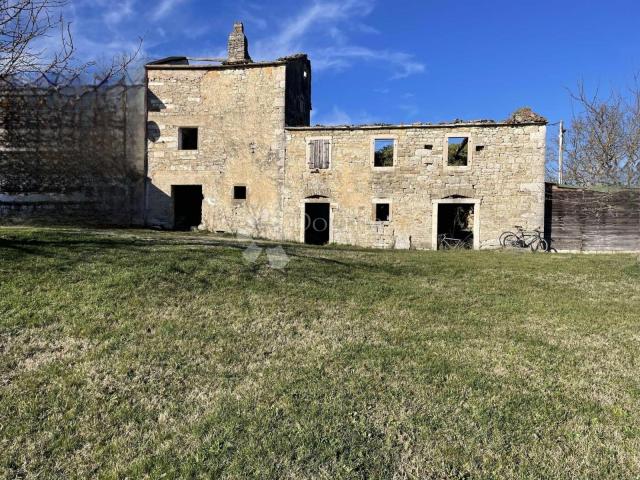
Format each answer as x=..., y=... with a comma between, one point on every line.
x=588, y=220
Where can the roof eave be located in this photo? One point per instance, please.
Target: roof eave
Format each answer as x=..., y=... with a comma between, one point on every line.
x=416, y=126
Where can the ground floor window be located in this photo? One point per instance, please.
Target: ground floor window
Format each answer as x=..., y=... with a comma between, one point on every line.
x=382, y=212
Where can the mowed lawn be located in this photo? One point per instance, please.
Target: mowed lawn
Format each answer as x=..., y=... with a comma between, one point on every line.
x=138, y=353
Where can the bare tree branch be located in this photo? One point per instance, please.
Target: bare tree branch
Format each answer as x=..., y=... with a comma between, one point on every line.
x=37, y=48
x=603, y=145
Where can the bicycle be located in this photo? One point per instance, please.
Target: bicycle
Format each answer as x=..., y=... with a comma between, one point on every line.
x=532, y=239
x=450, y=243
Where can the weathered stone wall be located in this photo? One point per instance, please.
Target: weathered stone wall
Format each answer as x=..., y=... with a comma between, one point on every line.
x=506, y=176
x=75, y=156
x=252, y=122
x=240, y=115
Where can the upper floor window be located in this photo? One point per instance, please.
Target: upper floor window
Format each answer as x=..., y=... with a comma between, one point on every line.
x=319, y=153
x=384, y=152
x=457, y=151
x=188, y=138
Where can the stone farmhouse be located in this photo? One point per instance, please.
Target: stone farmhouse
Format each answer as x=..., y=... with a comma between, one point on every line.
x=230, y=149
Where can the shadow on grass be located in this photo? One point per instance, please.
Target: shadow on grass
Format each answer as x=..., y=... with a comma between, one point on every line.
x=73, y=247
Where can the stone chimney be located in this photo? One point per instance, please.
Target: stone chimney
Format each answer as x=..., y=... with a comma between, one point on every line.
x=238, y=46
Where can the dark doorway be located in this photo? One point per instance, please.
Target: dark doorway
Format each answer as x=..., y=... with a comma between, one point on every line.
x=455, y=225
x=317, y=221
x=187, y=206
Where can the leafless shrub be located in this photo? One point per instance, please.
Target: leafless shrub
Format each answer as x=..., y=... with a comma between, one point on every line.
x=37, y=49
x=603, y=143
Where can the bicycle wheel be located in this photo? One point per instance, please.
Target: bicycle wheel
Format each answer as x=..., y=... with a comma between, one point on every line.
x=539, y=244
x=512, y=241
x=504, y=235
x=543, y=245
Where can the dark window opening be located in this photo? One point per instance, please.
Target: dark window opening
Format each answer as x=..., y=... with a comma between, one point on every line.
x=428, y=147
x=317, y=222
x=382, y=212
x=458, y=151
x=187, y=206
x=479, y=148
x=383, y=153
x=188, y=138
x=455, y=226
x=239, y=192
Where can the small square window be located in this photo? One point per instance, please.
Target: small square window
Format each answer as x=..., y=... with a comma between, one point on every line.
x=458, y=152
x=239, y=192
x=383, y=211
x=188, y=138
x=383, y=153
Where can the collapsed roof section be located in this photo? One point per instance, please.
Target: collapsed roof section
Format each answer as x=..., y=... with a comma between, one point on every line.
x=522, y=116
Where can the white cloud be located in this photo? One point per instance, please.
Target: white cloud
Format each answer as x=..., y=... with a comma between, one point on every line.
x=402, y=63
x=164, y=8
x=318, y=16
x=323, y=30
x=118, y=12
x=338, y=116
x=328, y=30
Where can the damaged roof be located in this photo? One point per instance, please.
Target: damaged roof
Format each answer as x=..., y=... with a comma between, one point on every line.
x=522, y=116
x=182, y=62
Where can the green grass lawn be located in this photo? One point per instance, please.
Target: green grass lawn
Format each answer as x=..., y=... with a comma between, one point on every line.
x=138, y=353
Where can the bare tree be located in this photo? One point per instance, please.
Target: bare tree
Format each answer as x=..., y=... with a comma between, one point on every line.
x=26, y=31
x=36, y=48
x=603, y=143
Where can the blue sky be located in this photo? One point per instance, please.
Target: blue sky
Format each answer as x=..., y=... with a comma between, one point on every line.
x=400, y=61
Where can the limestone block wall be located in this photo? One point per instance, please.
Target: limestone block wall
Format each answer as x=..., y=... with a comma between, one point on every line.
x=240, y=115
x=505, y=176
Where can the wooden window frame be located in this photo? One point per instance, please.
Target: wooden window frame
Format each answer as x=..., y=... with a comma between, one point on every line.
x=309, y=142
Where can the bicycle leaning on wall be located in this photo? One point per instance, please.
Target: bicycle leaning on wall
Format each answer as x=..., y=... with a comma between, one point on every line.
x=522, y=238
